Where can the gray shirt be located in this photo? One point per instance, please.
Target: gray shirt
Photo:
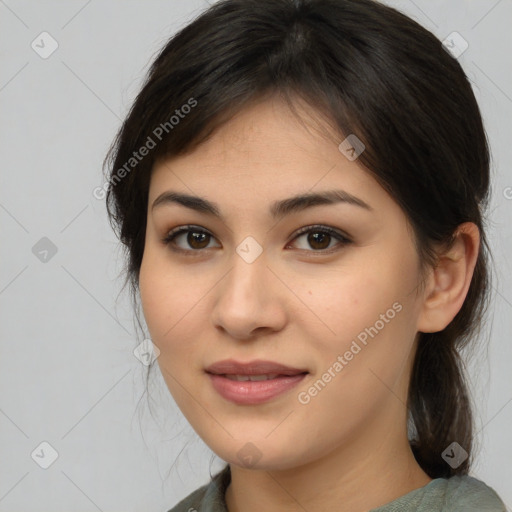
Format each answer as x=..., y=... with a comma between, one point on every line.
x=455, y=494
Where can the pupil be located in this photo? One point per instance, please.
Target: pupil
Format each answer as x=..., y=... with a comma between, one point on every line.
x=315, y=240
x=194, y=239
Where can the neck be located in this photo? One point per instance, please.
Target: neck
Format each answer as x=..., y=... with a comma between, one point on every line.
x=364, y=473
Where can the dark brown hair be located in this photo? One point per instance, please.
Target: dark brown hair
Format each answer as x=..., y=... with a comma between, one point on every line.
x=370, y=71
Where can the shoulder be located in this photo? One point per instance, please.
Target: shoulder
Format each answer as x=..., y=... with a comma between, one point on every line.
x=192, y=502
x=454, y=494
x=207, y=498
x=463, y=493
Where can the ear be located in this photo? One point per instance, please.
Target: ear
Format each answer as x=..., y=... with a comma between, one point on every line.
x=448, y=283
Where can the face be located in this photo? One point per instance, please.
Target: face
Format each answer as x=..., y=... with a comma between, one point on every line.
x=326, y=288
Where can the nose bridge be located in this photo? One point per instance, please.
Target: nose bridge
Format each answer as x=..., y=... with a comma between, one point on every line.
x=247, y=299
x=249, y=274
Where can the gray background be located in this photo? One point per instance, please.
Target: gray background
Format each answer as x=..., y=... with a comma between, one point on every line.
x=68, y=375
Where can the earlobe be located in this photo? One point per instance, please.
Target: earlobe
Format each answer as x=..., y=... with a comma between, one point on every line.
x=449, y=281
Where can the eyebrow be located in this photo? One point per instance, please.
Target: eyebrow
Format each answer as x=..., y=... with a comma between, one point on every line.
x=278, y=209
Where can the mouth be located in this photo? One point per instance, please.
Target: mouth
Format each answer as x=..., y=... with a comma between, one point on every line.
x=254, y=382
x=257, y=367
x=252, y=378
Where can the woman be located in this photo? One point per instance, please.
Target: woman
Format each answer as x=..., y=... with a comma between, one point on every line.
x=300, y=186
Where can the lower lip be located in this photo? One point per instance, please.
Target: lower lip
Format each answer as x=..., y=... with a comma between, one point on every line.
x=253, y=392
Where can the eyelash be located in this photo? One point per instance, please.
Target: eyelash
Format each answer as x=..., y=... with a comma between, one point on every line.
x=173, y=234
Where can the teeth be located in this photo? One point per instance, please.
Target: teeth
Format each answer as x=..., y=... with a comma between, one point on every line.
x=252, y=377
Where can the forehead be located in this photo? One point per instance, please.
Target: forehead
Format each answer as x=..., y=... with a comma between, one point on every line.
x=263, y=154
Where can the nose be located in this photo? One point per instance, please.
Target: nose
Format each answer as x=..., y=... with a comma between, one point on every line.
x=249, y=300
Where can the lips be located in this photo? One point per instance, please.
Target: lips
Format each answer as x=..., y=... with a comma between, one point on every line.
x=258, y=367
x=254, y=382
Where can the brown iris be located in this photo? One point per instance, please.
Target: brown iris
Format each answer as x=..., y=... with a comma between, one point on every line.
x=199, y=238
x=319, y=240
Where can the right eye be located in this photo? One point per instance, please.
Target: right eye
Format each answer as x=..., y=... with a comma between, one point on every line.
x=195, y=237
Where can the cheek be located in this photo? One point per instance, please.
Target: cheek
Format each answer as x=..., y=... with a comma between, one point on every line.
x=170, y=308
x=161, y=293
x=152, y=296
x=172, y=302
x=347, y=303
x=162, y=310
x=160, y=302
x=371, y=305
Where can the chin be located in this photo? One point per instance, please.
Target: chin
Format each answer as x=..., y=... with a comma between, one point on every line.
x=260, y=454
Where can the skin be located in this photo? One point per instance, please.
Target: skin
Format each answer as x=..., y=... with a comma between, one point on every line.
x=298, y=304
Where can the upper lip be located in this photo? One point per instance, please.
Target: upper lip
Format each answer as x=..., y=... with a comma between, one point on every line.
x=255, y=367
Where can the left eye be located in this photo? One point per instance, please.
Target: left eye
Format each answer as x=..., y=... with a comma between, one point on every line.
x=319, y=238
